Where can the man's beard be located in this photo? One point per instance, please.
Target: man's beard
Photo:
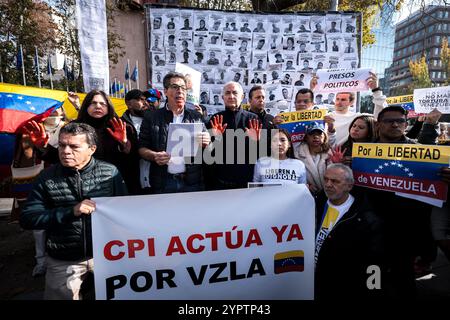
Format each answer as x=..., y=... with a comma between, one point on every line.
x=138, y=113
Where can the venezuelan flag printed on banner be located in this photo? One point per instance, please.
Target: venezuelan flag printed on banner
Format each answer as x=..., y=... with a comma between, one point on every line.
x=19, y=104
x=289, y=261
x=406, y=102
x=297, y=122
x=406, y=168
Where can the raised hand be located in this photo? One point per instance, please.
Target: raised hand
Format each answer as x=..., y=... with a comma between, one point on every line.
x=37, y=133
x=217, y=125
x=74, y=99
x=433, y=116
x=277, y=120
x=254, y=129
x=372, y=81
x=119, y=131
x=337, y=156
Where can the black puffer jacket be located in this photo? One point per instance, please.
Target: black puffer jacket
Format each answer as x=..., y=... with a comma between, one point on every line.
x=55, y=193
x=153, y=135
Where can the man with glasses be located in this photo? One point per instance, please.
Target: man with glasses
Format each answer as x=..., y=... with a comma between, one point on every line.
x=406, y=220
x=170, y=174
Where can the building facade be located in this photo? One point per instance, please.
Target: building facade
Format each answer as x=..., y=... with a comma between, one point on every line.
x=419, y=34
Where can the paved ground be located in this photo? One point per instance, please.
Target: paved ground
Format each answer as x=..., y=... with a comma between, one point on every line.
x=17, y=262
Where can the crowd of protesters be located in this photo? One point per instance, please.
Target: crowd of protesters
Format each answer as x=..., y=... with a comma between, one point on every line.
x=100, y=154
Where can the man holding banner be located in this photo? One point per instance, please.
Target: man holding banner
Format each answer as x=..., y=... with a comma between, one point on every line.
x=405, y=214
x=343, y=116
x=60, y=204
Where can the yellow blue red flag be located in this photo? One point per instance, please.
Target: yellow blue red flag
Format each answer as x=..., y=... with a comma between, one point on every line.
x=19, y=104
x=405, y=168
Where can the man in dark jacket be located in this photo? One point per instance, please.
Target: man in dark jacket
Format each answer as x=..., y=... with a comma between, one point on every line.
x=169, y=174
x=135, y=170
x=407, y=221
x=234, y=172
x=349, y=243
x=60, y=204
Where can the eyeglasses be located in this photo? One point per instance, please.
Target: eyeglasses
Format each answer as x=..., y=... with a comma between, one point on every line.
x=391, y=121
x=177, y=87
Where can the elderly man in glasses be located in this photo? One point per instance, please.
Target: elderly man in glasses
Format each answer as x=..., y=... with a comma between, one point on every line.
x=170, y=173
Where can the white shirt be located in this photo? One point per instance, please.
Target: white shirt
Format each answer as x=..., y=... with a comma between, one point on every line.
x=287, y=171
x=144, y=165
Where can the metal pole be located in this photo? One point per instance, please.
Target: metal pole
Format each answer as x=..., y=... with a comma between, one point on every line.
x=129, y=75
x=334, y=5
x=23, y=66
x=38, y=71
x=137, y=78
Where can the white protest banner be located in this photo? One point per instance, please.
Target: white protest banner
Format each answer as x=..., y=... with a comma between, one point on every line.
x=91, y=22
x=206, y=245
x=193, y=78
x=350, y=80
x=182, y=139
x=425, y=100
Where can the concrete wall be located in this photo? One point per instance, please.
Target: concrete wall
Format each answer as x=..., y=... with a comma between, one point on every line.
x=130, y=24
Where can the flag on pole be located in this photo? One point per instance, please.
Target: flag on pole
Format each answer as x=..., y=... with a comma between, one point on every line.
x=19, y=59
x=36, y=65
x=127, y=70
x=135, y=74
x=49, y=70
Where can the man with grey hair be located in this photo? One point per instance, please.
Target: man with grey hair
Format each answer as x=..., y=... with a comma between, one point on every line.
x=349, y=240
x=61, y=203
x=234, y=121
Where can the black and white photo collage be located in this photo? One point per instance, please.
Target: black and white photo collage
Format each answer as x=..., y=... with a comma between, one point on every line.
x=280, y=52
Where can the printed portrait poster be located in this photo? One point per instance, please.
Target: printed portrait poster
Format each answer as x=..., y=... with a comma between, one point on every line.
x=229, y=39
x=257, y=77
x=200, y=57
x=231, y=58
x=302, y=80
x=350, y=44
x=334, y=44
x=349, y=24
x=215, y=39
x=286, y=93
x=215, y=21
x=193, y=78
x=205, y=96
x=319, y=61
x=243, y=60
x=318, y=43
x=214, y=57
x=261, y=24
x=216, y=98
x=275, y=23
x=289, y=43
x=289, y=25
x=259, y=61
x=271, y=94
x=208, y=75
x=171, y=19
x=200, y=39
x=244, y=42
x=260, y=42
x=349, y=62
x=333, y=22
x=156, y=18
x=220, y=76
x=157, y=43
x=318, y=24
x=275, y=42
x=276, y=57
x=159, y=59
x=245, y=23
x=304, y=24
x=201, y=19
x=289, y=63
x=230, y=23
x=187, y=20
x=425, y=100
x=304, y=43
x=170, y=40
x=333, y=61
x=235, y=74
x=274, y=75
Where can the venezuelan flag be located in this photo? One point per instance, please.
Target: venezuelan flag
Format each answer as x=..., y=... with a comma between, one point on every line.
x=19, y=104
x=297, y=122
x=289, y=261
